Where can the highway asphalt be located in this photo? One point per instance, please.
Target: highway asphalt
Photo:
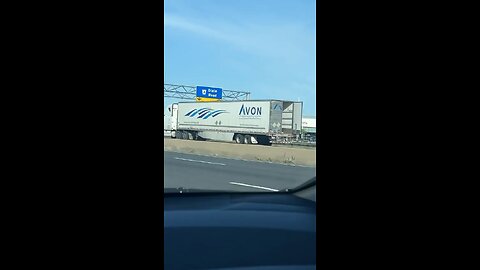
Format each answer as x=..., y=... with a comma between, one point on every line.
x=213, y=173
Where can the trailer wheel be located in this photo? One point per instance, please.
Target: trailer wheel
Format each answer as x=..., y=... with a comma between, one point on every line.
x=239, y=139
x=248, y=139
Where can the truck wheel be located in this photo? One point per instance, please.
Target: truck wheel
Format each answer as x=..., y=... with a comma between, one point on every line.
x=181, y=135
x=189, y=136
x=239, y=139
x=248, y=139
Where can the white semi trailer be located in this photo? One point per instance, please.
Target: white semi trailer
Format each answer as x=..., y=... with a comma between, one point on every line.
x=245, y=122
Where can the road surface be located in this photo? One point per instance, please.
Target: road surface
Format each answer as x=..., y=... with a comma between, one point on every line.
x=212, y=173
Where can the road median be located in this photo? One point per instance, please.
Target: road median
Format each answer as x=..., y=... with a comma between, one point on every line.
x=285, y=155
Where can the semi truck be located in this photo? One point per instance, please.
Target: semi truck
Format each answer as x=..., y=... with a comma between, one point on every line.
x=244, y=122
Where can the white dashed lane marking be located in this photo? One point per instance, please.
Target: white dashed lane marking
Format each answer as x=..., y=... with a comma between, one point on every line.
x=252, y=186
x=200, y=161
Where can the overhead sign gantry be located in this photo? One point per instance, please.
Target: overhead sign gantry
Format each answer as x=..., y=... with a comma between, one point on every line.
x=191, y=93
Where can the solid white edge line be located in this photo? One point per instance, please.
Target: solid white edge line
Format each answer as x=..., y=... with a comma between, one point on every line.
x=252, y=186
x=200, y=161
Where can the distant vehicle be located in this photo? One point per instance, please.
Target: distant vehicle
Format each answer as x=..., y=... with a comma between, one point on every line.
x=244, y=122
x=309, y=128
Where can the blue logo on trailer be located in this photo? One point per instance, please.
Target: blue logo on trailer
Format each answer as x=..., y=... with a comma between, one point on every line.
x=204, y=113
x=209, y=92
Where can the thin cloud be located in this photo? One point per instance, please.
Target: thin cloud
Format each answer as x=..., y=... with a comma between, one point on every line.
x=184, y=24
x=283, y=41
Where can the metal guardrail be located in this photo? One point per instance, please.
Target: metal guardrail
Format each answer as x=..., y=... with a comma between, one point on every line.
x=296, y=144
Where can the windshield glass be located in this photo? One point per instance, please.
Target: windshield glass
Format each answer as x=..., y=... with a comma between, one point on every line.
x=240, y=95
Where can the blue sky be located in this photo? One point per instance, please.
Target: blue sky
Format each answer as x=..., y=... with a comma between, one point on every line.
x=266, y=47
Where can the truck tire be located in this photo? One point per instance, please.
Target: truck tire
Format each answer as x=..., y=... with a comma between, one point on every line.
x=189, y=135
x=248, y=139
x=181, y=135
x=239, y=139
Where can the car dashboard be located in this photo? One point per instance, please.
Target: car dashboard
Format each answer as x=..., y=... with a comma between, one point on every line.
x=239, y=231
